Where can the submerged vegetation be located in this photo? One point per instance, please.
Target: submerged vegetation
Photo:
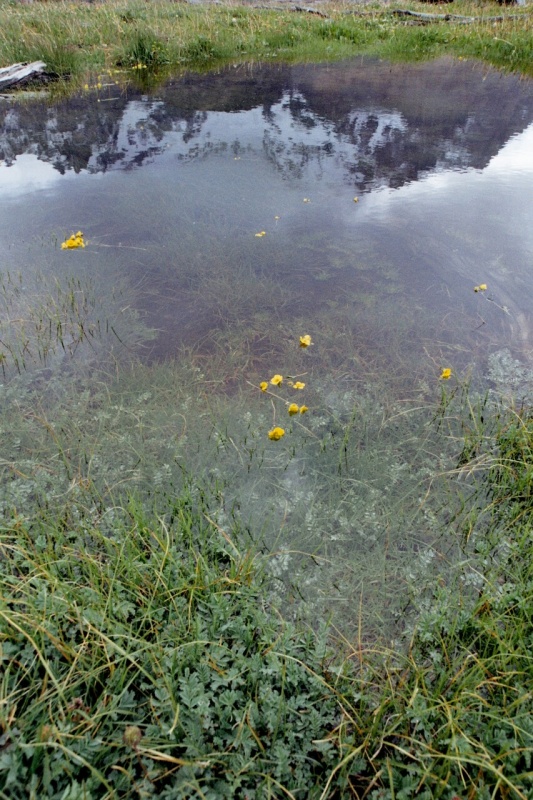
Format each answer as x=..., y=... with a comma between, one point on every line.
x=167, y=572
x=79, y=39
x=152, y=646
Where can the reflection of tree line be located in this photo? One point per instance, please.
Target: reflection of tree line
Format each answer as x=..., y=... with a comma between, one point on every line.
x=450, y=115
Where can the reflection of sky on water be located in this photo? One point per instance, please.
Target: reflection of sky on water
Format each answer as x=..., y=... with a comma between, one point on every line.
x=165, y=169
x=28, y=174
x=254, y=132
x=501, y=192
x=515, y=155
x=303, y=143
x=249, y=131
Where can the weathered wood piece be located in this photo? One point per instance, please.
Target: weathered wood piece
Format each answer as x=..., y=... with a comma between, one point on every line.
x=306, y=10
x=20, y=73
x=298, y=9
x=418, y=17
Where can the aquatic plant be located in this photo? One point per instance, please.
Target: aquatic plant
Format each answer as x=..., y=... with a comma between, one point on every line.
x=146, y=651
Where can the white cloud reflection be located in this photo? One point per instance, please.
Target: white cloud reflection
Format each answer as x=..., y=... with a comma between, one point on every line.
x=28, y=174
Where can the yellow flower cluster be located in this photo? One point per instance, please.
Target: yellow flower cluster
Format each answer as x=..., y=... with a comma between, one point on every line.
x=277, y=380
x=481, y=288
x=294, y=408
x=74, y=241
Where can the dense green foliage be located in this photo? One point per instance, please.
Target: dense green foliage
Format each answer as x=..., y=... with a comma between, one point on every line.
x=148, y=660
x=146, y=655
x=75, y=39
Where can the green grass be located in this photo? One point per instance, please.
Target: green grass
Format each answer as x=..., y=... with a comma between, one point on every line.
x=146, y=654
x=79, y=39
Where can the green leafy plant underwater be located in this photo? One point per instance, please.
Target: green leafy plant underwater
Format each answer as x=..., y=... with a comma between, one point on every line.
x=152, y=642
x=144, y=654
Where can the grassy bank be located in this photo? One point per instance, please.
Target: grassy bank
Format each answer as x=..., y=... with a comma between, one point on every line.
x=145, y=654
x=80, y=39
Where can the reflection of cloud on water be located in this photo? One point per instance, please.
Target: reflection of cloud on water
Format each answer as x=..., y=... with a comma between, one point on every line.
x=466, y=227
x=476, y=195
x=299, y=143
x=28, y=174
x=365, y=124
x=515, y=155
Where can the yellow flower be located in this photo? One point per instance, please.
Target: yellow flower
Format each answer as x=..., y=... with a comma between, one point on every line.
x=303, y=409
x=276, y=433
x=263, y=386
x=276, y=380
x=260, y=234
x=305, y=341
x=446, y=374
x=298, y=385
x=481, y=288
x=356, y=199
x=76, y=240
x=293, y=409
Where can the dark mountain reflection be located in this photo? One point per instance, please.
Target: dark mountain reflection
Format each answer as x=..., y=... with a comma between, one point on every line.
x=383, y=124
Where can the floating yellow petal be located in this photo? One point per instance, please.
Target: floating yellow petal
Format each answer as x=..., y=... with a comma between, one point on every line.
x=446, y=374
x=276, y=380
x=298, y=385
x=305, y=341
x=303, y=409
x=76, y=240
x=263, y=386
x=293, y=409
x=276, y=433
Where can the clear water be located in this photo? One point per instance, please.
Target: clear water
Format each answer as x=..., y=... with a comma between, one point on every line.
x=385, y=194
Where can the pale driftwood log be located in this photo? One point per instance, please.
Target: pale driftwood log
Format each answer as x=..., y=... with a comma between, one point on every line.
x=419, y=17
x=293, y=8
x=19, y=73
x=306, y=10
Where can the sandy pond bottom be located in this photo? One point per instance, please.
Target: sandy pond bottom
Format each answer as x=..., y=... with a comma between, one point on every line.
x=225, y=216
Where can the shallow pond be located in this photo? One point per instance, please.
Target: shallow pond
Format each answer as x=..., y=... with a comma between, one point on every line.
x=224, y=217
